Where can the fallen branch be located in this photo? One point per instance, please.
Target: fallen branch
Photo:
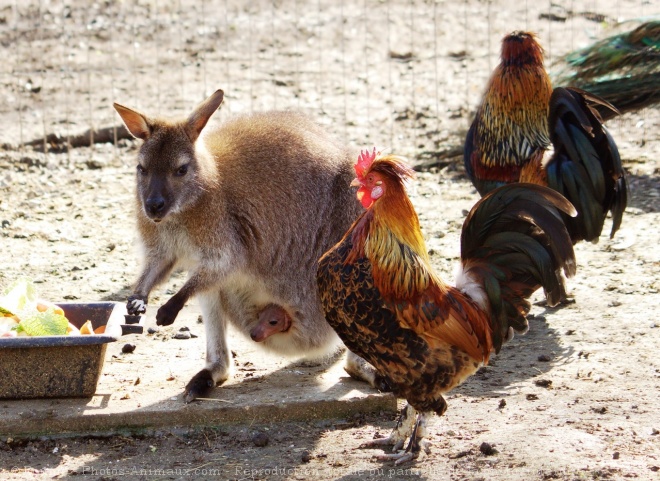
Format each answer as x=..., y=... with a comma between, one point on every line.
x=442, y=158
x=59, y=143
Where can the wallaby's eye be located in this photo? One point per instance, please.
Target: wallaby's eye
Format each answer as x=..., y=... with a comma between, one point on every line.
x=141, y=170
x=181, y=171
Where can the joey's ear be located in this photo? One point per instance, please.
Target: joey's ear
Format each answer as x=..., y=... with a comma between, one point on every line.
x=135, y=122
x=202, y=113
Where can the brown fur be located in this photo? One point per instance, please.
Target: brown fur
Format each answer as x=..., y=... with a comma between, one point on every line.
x=263, y=196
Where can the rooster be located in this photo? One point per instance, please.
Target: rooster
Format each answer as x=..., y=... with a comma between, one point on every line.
x=521, y=117
x=423, y=336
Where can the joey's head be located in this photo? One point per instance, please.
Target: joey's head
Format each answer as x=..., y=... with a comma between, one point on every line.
x=173, y=169
x=272, y=319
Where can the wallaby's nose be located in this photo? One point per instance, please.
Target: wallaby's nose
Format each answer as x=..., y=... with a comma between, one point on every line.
x=155, y=206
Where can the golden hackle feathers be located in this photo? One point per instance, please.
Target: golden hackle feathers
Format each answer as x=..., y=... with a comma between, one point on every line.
x=512, y=118
x=394, y=212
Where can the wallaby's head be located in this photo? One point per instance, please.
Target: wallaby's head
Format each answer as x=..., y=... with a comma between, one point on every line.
x=171, y=172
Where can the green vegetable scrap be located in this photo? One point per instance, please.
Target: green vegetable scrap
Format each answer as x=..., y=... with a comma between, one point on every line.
x=47, y=323
x=19, y=296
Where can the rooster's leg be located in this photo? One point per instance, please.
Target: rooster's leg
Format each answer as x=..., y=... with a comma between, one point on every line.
x=565, y=298
x=401, y=432
x=415, y=444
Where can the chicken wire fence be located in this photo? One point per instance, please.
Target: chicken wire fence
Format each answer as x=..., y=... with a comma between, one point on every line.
x=401, y=74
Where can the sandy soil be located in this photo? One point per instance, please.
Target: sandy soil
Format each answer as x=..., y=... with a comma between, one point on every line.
x=574, y=399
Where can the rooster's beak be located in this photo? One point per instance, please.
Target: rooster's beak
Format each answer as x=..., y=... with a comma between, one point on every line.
x=356, y=182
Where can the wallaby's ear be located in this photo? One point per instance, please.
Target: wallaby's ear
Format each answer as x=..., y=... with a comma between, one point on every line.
x=202, y=113
x=135, y=122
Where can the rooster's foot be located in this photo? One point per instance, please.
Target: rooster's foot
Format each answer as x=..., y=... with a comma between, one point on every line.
x=411, y=425
x=398, y=458
x=416, y=444
x=564, y=301
x=401, y=432
x=388, y=441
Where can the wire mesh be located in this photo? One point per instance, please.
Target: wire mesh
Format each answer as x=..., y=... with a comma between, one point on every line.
x=391, y=73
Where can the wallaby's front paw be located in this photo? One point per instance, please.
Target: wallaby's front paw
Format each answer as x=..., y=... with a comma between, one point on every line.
x=136, y=305
x=199, y=386
x=168, y=312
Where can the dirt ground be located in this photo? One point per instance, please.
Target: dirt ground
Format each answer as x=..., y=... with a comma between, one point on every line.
x=574, y=399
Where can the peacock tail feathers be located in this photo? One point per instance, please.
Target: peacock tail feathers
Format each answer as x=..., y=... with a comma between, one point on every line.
x=623, y=68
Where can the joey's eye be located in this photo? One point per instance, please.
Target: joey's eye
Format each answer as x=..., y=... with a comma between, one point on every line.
x=181, y=171
x=141, y=170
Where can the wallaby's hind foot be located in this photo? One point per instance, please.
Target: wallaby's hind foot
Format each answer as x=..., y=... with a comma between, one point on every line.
x=361, y=370
x=201, y=385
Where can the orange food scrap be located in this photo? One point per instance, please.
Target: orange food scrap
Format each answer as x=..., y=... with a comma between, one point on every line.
x=43, y=306
x=87, y=328
x=72, y=330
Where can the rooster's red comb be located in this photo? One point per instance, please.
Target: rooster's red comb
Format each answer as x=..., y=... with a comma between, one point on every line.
x=364, y=161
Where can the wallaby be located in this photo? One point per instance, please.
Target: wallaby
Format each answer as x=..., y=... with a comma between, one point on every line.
x=247, y=208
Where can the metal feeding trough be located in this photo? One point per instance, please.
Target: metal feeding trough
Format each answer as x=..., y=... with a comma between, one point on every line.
x=62, y=366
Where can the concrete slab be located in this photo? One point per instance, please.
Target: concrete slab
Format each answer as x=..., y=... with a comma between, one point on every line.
x=142, y=391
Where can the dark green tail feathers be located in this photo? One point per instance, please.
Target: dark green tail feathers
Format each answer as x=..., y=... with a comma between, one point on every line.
x=514, y=241
x=585, y=167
